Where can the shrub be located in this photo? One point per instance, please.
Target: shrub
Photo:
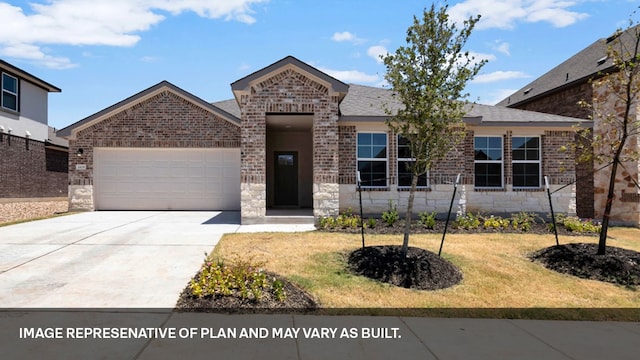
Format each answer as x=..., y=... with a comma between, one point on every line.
x=371, y=223
x=575, y=224
x=390, y=216
x=428, y=220
x=328, y=223
x=348, y=221
x=242, y=276
x=467, y=222
x=496, y=222
x=523, y=221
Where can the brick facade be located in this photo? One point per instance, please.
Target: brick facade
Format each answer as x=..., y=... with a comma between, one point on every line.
x=29, y=169
x=165, y=120
x=565, y=102
x=556, y=164
x=289, y=92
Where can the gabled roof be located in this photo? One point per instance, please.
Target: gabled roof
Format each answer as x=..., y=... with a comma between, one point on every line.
x=579, y=68
x=141, y=96
x=365, y=103
x=28, y=77
x=335, y=85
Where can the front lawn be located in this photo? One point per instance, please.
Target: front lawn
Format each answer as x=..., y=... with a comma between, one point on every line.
x=497, y=274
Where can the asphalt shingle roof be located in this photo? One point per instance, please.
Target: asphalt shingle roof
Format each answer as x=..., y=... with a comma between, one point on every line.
x=577, y=69
x=366, y=104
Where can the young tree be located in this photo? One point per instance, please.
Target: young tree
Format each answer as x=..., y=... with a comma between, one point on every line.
x=614, y=103
x=428, y=77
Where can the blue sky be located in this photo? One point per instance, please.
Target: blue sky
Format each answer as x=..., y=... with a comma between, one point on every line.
x=102, y=51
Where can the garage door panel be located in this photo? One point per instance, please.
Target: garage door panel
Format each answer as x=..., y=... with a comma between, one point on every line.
x=166, y=179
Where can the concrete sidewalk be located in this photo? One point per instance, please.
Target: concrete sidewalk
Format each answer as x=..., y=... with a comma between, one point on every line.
x=201, y=336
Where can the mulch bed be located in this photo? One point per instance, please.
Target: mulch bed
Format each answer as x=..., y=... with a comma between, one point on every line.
x=617, y=266
x=297, y=301
x=417, y=228
x=421, y=269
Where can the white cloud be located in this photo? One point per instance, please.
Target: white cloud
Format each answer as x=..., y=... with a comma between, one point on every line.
x=100, y=22
x=376, y=52
x=346, y=36
x=496, y=96
x=33, y=53
x=504, y=14
x=499, y=76
x=351, y=76
x=502, y=47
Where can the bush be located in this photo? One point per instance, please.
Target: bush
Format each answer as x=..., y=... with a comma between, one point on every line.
x=344, y=221
x=390, y=216
x=467, y=222
x=241, y=276
x=575, y=224
x=523, y=221
x=428, y=220
x=371, y=223
x=327, y=223
x=496, y=222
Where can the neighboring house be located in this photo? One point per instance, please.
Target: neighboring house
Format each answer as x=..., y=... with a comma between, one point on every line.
x=558, y=92
x=33, y=160
x=295, y=137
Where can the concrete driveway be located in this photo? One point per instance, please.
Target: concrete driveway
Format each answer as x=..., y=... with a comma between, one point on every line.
x=106, y=259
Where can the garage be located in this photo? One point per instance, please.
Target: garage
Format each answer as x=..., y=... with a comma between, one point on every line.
x=166, y=179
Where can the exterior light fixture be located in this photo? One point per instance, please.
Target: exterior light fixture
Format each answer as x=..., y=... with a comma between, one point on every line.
x=80, y=152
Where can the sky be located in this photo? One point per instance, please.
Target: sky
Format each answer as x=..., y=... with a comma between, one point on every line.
x=100, y=52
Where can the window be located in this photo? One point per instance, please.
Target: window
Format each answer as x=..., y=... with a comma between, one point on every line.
x=488, y=161
x=526, y=161
x=9, y=92
x=372, y=159
x=405, y=160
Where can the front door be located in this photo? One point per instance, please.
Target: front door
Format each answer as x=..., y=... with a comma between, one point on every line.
x=286, y=178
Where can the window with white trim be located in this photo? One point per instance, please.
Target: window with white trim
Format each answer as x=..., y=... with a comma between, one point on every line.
x=488, y=161
x=525, y=161
x=405, y=160
x=372, y=159
x=9, y=99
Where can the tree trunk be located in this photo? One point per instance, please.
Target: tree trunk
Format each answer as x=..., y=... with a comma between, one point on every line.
x=409, y=214
x=602, y=243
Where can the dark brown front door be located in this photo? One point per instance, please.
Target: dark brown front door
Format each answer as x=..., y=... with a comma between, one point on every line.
x=286, y=178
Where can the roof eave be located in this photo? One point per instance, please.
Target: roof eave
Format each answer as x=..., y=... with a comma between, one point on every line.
x=30, y=78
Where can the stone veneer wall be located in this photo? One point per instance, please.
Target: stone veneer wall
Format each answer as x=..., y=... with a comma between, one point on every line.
x=165, y=120
x=289, y=91
x=626, y=205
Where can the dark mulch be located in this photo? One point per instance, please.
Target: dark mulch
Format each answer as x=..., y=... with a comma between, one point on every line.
x=618, y=266
x=421, y=269
x=297, y=301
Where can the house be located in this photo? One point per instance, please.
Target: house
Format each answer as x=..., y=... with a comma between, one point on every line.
x=33, y=160
x=295, y=137
x=558, y=92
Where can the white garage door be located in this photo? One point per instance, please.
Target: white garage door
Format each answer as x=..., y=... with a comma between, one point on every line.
x=166, y=179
